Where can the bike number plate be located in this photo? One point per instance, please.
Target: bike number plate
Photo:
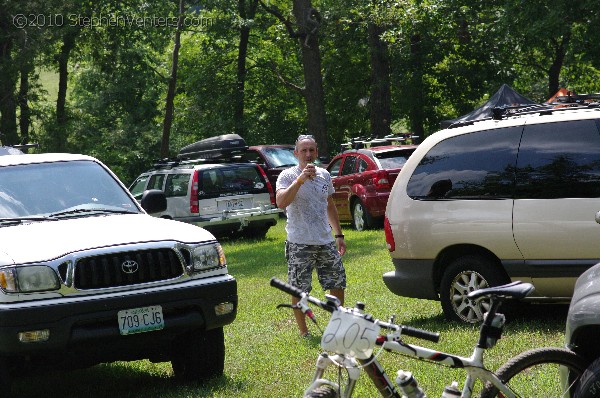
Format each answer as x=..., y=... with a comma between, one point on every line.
x=138, y=320
x=350, y=334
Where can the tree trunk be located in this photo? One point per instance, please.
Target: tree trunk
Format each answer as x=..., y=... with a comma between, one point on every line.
x=416, y=104
x=168, y=121
x=554, y=70
x=25, y=68
x=59, y=138
x=8, y=85
x=308, y=23
x=380, y=100
x=245, y=14
x=25, y=111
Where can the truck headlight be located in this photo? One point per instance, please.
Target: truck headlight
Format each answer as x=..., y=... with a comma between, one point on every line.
x=26, y=279
x=207, y=256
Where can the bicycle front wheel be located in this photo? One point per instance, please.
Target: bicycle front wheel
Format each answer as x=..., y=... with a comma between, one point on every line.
x=540, y=372
x=322, y=392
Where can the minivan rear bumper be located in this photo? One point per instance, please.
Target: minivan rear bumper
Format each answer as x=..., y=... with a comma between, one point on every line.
x=411, y=278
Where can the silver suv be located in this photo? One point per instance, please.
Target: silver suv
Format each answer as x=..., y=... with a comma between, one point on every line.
x=86, y=276
x=510, y=198
x=224, y=198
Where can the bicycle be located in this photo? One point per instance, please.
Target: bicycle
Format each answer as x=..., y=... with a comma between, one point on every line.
x=351, y=336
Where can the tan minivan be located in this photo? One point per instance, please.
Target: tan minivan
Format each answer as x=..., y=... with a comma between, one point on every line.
x=512, y=198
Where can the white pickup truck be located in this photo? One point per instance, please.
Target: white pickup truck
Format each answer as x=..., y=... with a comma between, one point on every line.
x=87, y=276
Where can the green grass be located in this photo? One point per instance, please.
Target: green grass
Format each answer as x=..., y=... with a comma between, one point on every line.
x=266, y=358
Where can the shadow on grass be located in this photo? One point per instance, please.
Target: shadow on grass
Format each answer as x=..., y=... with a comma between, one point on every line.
x=519, y=317
x=117, y=380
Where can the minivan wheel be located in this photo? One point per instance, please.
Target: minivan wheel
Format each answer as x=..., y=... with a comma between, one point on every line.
x=361, y=219
x=463, y=276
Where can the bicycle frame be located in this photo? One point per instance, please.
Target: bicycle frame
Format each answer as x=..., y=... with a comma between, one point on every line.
x=473, y=367
x=354, y=335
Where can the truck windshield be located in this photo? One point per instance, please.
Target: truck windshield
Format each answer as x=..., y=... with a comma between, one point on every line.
x=44, y=188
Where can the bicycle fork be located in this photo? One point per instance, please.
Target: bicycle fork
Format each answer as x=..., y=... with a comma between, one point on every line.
x=372, y=367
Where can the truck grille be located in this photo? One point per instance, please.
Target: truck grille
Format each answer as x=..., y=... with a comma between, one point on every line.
x=126, y=268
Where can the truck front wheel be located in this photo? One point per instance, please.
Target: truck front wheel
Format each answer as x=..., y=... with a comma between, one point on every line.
x=199, y=355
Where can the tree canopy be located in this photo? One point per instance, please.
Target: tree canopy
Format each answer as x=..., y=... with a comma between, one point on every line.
x=272, y=69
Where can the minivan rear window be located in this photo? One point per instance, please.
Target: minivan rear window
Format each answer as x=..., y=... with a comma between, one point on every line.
x=478, y=165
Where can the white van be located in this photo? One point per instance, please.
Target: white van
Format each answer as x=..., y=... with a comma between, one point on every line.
x=512, y=198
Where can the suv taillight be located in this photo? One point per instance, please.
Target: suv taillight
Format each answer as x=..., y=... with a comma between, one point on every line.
x=389, y=236
x=381, y=180
x=269, y=186
x=194, y=194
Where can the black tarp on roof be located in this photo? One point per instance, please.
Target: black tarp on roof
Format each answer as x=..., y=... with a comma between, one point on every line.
x=505, y=96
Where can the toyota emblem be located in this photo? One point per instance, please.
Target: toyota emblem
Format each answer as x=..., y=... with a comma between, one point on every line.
x=129, y=266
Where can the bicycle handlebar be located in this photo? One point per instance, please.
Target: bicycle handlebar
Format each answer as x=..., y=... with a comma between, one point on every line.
x=294, y=291
x=406, y=330
x=420, y=333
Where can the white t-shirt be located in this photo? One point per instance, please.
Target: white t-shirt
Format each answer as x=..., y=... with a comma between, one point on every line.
x=307, y=221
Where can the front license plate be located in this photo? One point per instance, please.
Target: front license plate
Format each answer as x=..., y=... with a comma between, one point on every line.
x=143, y=319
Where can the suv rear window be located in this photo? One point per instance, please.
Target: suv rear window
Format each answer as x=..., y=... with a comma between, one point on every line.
x=237, y=180
x=393, y=159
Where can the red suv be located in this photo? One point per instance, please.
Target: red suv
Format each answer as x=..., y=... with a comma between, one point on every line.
x=362, y=179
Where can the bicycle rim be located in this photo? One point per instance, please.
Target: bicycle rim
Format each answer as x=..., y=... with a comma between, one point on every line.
x=541, y=372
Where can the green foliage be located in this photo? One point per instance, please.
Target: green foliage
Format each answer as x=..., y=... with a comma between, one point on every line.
x=265, y=357
x=446, y=59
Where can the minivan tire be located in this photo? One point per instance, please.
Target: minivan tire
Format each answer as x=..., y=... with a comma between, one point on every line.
x=463, y=276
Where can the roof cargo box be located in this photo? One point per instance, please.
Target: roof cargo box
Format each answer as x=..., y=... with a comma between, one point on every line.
x=214, y=147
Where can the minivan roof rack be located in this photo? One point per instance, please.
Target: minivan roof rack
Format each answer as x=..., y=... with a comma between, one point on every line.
x=564, y=103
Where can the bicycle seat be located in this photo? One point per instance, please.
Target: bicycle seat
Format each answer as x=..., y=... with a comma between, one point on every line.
x=515, y=290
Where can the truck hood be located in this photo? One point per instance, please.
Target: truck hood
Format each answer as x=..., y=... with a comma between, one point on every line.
x=44, y=241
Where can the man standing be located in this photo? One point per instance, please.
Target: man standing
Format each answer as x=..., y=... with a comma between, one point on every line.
x=305, y=192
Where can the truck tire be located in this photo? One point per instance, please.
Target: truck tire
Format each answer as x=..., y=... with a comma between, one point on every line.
x=5, y=378
x=199, y=355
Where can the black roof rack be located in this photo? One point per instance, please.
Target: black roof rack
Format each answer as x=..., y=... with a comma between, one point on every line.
x=369, y=142
x=169, y=163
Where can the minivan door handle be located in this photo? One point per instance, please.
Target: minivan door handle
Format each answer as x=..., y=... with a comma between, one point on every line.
x=598, y=217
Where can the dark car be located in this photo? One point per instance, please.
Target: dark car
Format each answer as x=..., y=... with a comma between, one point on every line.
x=362, y=179
x=272, y=158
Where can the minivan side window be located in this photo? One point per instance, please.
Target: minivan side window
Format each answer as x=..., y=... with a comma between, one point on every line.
x=559, y=160
x=478, y=165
